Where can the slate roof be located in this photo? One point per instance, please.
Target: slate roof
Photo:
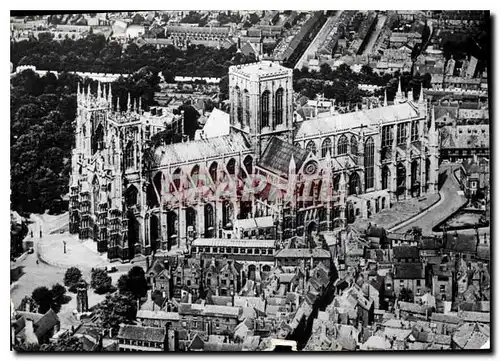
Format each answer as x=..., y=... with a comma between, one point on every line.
x=200, y=149
x=408, y=271
x=141, y=333
x=208, y=310
x=333, y=123
x=471, y=336
x=46, y=323
x=302, y=253
x=405, y=252
x=463, y=243
x=465, y=136
x=277, y=156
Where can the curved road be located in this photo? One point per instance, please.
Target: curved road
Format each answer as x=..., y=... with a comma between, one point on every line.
x=451, y=200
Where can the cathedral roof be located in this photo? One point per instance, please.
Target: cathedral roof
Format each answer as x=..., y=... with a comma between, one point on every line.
x=328, y=124
x=201, y=149
x=277, y=156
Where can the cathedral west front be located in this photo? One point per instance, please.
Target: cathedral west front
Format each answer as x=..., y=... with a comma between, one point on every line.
x=135, y=197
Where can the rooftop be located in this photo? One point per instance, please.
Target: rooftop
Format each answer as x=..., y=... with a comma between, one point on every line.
x=223, y=242
x=201, y=149
x=277, y=156
x=141, y=333
x=303, y=253
x=367, y=117
x=261, y=68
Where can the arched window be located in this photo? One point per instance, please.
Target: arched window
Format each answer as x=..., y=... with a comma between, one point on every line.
x=239, y=105
x=129, y=155
x=264, y=105
x=99, y=138
x=131, y=196
x=354, y=145
x=213, y=171
x=195, y=174
x=311, y=147
x=342, y=145
x=369, y=163
x=248, y=164
x=326, y=147
x=247, y=107
x=386, y=174
x=279, y=106
x=231, y=166
x=176, y=180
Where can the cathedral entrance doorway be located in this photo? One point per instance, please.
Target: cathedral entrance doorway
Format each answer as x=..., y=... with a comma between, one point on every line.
x=132, y=234
x=415, y=184
x=171, y=229
x=190, y=223
x=251, y=272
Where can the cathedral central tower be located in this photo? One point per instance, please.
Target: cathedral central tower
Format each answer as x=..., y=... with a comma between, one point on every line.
x=260, y=96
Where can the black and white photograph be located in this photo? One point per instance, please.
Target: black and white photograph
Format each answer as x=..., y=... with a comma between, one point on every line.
x=250, y=180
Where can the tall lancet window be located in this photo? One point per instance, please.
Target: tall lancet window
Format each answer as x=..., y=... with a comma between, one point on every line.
x=264, y=105
x=129, y=155
x=239, y=106
x=247, y=107
x=279, y=106
x=369, y=163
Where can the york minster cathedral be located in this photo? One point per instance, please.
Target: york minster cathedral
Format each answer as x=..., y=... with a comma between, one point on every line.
x=135, y=197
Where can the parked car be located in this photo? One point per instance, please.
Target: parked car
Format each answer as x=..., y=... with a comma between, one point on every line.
x=31, y=250
x=111, y=269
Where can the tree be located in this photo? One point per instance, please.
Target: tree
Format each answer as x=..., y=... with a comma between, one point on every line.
x=137, y=283
x=122, y=283
x=65, y=344
x=44, y=298
x=406, y=295
x=114, y=310
x=72, y=276
x=100, y=281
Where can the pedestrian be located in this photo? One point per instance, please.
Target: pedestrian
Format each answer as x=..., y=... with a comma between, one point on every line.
x=40, y=233
x=31, y=233
x=36, y=261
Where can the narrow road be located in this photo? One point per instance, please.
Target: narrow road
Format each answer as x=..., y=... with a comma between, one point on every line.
x=319, y=39
x=451, y=200
x=378, y=28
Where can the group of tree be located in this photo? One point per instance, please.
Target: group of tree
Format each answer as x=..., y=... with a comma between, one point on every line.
x=117, y=308
x=42, y=134
x=95, y=54
x=342, y=83
x=100, y=281
x=73, y=279
x=43, y=299
x=134, y=283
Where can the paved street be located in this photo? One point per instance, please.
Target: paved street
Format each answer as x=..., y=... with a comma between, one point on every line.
x=451, y=200
x=39, y=274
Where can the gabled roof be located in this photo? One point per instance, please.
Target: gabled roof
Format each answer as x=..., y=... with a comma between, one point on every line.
x=217, y=124
x=277, y=156
x=46, y=323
